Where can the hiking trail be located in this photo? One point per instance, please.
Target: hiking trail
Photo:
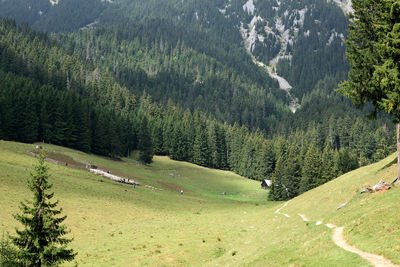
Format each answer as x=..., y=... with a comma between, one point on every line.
x=339, y=240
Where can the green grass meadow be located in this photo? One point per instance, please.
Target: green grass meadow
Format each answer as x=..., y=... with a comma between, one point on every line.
x=114, y=224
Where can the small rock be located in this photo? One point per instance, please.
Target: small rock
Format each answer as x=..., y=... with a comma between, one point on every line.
x=341, y=206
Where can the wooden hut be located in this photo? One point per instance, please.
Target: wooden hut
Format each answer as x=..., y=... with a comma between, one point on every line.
x=265, y=184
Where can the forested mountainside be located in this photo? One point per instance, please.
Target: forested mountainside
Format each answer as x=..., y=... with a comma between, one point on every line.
x=50, y=95
x=200, y=54
x=198, y=81
x=153, y=57
x=303, y=41
x=53, y=15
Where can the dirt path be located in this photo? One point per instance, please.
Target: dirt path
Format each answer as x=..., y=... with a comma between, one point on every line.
x=375, y=260
x=338, y=239
x=278, y=211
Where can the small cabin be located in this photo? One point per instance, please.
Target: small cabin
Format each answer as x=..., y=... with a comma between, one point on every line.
x=265, y=184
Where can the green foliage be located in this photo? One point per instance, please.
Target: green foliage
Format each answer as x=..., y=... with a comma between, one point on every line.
x=186, y=65
x=42, y=241
x=42, y=15
x=145, y=144
x=312, y=170
x=278, y=189
x=373, y=54
x=201, y=151
x=48, y=95
x=8, y=253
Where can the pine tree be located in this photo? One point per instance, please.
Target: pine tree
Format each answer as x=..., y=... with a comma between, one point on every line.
x=158, y=138
x=277, y=191
x=178, y=150
x=312, y=170
x=42, y=241
x=265, y=160
x=347, y=161
x=292, y=173
x=374, y=56
x=8, y=253
x=328, y=172
x=201, y=151
x=145, y=144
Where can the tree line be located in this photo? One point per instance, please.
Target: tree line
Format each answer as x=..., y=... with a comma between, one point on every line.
x=83, y=108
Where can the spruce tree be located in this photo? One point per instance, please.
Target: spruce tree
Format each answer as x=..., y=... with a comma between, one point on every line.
x=178, y=150
x=145, y=144
x=42, y=241
x=312, y=170
x=292, y=173
x=222, y=158
x=277, y=191
x=201, y=151
x=374, y=56
x=328, y=169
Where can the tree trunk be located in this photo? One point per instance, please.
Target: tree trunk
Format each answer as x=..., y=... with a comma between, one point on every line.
x=398, y=152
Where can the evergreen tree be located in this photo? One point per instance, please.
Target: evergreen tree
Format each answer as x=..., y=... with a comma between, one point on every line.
x=178, y=150
x=221, y=159
x=382, y=150
x=158, y=138
x=292, y=173
x=347, y=161
x=145, y=144
x=8, y=253
x=328, y=168
x=277, y=191
x=374, y=56
x=42, y=241
x=201, y=151
x=312, y=170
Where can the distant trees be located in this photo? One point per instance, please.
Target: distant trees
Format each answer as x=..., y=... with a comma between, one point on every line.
x=183, y=65
x=312, y=170
x=48, y=95
x=145, y=144
x=201, y=151
x=42, y=242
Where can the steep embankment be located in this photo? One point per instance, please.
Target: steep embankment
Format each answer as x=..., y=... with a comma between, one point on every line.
x=370, y=221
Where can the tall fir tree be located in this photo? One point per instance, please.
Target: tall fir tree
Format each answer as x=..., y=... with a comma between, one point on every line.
x=201, y=151
x=145, y=144
x=292, y=173
x=328, y=170
x=42, y=241
x=374, y=56
x=312, y=170
x=277, y=191
x=178, y=150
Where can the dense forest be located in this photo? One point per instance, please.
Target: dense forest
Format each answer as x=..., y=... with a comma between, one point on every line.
x=49, y=95
x=122, y=76
x=192, y=53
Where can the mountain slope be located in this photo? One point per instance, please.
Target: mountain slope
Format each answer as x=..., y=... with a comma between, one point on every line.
x=116, y=224
x=302, y=41
x=54, y=15
x=195, y=53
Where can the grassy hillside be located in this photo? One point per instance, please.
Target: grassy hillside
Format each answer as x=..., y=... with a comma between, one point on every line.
x=116, y=225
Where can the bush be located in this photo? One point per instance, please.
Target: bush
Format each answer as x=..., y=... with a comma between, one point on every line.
x=8, y=253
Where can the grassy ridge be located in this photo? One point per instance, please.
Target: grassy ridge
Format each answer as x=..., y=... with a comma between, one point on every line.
x=115, y=224
x=371, y=220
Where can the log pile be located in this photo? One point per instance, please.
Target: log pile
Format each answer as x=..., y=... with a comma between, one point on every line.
x=113, y=177
x=381, y=186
